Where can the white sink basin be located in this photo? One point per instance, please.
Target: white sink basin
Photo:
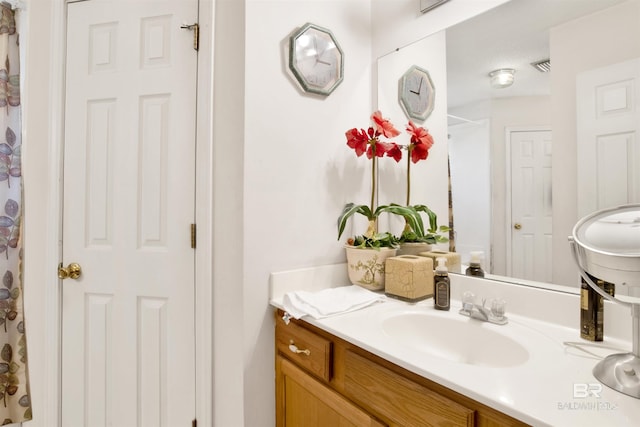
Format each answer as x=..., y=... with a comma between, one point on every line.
x=453, y=337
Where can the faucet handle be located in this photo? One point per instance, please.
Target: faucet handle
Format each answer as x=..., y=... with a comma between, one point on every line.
x=468, y=300
x=498, y=307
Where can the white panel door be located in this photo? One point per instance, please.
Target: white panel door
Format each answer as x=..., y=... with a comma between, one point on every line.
x=530, y=230
x=608, y=146
x=128, y=345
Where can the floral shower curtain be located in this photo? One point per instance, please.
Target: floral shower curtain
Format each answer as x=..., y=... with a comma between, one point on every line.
x=15, y=403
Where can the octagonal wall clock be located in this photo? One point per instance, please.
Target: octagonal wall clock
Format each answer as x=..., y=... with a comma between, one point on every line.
x=416, y=93
x=315, y=59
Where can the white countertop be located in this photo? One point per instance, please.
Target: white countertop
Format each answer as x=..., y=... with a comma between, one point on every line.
x=547, y=389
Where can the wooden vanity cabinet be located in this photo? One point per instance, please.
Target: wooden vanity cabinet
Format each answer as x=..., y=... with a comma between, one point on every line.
x=305, y=402
x=324, y=381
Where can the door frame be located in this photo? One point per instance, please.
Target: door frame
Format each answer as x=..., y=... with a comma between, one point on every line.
x=203, y=209
x=508, y=223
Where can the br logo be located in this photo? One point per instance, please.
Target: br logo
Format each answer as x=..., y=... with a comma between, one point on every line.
x=584, y=390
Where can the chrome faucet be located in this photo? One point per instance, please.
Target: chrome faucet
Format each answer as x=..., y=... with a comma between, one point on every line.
x=478, y=311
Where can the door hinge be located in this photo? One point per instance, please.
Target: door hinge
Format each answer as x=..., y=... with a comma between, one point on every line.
x=193, y=236
x=196, y=34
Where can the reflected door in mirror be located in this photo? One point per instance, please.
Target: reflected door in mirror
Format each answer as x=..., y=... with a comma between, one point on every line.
x=608, y=137
x=529, y=232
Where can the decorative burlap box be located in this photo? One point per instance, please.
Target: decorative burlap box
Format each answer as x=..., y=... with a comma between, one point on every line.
x=454, y=265
x=409, y=277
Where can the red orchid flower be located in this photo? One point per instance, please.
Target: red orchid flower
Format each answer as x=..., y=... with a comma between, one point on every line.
x=358, y=140
x=381, y=148
x=365, y=141
x=395, y=152
x=384, y=126
x=421, y=142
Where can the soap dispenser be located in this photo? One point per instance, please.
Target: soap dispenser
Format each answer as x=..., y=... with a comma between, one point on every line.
x=442, y=291
x=475, y=269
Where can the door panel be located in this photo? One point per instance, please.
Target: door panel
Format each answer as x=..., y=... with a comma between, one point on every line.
x=128, y=324
x=530, y=230
x=608, y=148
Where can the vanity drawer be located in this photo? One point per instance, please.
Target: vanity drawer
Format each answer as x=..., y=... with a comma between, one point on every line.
x=398, y=400
x=307, y=349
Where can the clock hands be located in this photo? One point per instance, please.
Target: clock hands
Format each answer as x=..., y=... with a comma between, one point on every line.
x=319, y=55
x=315, y=49
x=419, y=88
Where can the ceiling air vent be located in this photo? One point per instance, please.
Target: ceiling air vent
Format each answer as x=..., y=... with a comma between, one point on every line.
x=427, y=5
x=543, y=66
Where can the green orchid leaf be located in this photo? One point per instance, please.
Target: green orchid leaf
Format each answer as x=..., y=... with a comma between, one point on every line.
x=348, y=211
x=366, y=211
x=410, y=215
x=433, y=218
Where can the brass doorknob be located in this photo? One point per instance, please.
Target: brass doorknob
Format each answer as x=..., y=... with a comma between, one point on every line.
x=72, y=271
x=517, y=226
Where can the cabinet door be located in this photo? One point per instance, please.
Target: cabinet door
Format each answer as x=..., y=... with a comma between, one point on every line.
x=398, y=400
x=302, y=401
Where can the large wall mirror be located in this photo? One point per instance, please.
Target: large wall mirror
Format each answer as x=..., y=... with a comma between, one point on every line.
x=517, y=170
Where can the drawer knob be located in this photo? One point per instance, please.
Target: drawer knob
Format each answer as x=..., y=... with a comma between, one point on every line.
x=296, y=350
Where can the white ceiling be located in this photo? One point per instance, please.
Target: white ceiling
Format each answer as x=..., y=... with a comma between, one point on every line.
x=512, y=35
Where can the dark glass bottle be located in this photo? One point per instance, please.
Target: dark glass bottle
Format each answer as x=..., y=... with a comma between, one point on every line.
x=592, y=309
x=475, y=268
x=442, y=287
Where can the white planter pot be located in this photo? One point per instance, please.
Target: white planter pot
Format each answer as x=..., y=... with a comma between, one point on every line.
x=366, y=266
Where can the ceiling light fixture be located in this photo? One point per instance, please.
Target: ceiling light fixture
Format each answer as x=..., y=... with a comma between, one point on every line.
x=502, y=78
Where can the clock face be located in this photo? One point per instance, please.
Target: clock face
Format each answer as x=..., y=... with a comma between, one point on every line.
x=416, y=93
x=315, y=59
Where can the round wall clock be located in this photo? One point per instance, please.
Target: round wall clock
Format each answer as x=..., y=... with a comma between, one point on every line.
x=416, y=93
x=315, y=59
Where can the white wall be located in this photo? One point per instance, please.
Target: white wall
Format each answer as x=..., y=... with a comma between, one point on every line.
x=227, y=175
x=470, y=157
x=39, y=278
x=298, y=170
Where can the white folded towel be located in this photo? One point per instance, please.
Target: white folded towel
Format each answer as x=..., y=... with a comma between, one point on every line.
x=329, y=302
